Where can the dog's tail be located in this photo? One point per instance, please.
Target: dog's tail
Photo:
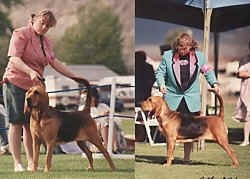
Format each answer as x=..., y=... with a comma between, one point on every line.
x=88, y=87
x=221, y=113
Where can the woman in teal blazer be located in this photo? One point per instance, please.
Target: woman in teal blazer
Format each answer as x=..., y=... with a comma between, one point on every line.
x=178, y=78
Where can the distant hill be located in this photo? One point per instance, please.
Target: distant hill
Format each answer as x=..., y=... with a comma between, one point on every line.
x=65, y=12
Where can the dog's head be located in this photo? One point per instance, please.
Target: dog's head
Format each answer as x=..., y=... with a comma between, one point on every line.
x=36, y=98
x=153, y=105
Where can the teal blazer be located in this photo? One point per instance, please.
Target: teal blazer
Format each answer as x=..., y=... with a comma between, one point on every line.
x=168, y=74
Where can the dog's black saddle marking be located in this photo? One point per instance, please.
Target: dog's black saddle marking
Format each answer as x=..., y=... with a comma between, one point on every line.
x=70, y=125
x=191, y=127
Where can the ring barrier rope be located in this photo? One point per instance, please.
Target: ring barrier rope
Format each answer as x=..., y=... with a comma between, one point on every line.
x=97, y=117
x=83, y=88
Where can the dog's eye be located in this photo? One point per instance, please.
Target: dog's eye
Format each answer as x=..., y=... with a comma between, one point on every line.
x=150, y=99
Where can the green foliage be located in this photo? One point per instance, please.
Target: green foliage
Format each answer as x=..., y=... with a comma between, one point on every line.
x=4, y=41
x=5, y=24
x=8, y=3
x=5, y=28
x=96, y=39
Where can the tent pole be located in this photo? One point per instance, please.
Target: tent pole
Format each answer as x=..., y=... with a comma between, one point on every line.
x=207, y=21
x=216, y=61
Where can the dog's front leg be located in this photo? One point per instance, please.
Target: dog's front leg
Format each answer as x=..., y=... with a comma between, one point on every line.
x=49, y=153
x=170, y=151
x=36, y=150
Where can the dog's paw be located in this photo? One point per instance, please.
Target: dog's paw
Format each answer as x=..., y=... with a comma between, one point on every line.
x=113, y=169
x=166, y=164
x=235, y=166
x=90, y=169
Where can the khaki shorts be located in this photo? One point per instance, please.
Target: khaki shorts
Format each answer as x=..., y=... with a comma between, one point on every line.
x=14, y=103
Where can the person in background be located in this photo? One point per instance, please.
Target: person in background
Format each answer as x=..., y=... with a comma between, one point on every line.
x=144, y=77
x=4, y=148
x=101, y=109
x=242, y=110
x=178, y=78
x=30, y=51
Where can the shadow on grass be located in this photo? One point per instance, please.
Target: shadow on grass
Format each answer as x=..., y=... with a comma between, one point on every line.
x=161, y=160
x=235, y=135
x=129, y=170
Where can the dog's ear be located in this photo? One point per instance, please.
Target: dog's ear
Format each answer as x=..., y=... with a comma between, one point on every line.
x=43, y=103
x=26, y=110
x=157, y=110
x=26, y=107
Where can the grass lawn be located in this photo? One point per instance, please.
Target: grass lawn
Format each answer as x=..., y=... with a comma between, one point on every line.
x=70, y=166
x=213, y=163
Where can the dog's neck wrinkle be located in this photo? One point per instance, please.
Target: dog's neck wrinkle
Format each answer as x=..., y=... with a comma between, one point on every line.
x=35, y=114
x=165, y=110
x=38, y=112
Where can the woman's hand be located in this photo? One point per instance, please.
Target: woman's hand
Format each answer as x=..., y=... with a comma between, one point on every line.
x=163, y=89
x=216, y=87
x=34, y=76
x=19, y=64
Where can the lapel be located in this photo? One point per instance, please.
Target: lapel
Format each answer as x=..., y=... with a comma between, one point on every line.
x=193, y=69
x=176, y=69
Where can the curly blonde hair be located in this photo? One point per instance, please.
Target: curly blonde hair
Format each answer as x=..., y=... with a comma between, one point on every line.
x=185, y=38
x=46, y=15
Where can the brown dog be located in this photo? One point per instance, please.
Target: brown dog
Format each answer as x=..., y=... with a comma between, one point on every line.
x=177, y=127
x=52, y=126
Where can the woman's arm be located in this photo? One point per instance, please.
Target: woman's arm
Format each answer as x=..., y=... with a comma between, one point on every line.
x=61, y=68
x=161, y=72
x=19, y=64
x=243, y=74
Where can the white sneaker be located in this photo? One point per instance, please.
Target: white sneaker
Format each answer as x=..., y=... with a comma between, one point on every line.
x=243, y=144
x=19, y=168
x=29, y=168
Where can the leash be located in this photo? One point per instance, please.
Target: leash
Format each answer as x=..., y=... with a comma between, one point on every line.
x=3, y=81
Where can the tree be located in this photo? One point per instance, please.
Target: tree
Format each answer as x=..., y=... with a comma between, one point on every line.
x=96, y=39
x=5, y=29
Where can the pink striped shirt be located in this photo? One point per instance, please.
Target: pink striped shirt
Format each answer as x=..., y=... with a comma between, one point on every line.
x=25, y=44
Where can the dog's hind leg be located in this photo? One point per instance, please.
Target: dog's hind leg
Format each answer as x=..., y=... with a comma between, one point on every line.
x=95, y=139
x=223, y=142
x=88, y=153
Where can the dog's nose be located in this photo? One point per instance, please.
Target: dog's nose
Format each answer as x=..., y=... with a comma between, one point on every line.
x=29, y=102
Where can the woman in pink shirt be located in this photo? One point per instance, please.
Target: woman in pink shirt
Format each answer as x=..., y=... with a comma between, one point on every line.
x=30, y=51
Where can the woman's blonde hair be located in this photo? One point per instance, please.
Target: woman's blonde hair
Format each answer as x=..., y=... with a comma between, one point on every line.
x=46, y=15
x=186, y=39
